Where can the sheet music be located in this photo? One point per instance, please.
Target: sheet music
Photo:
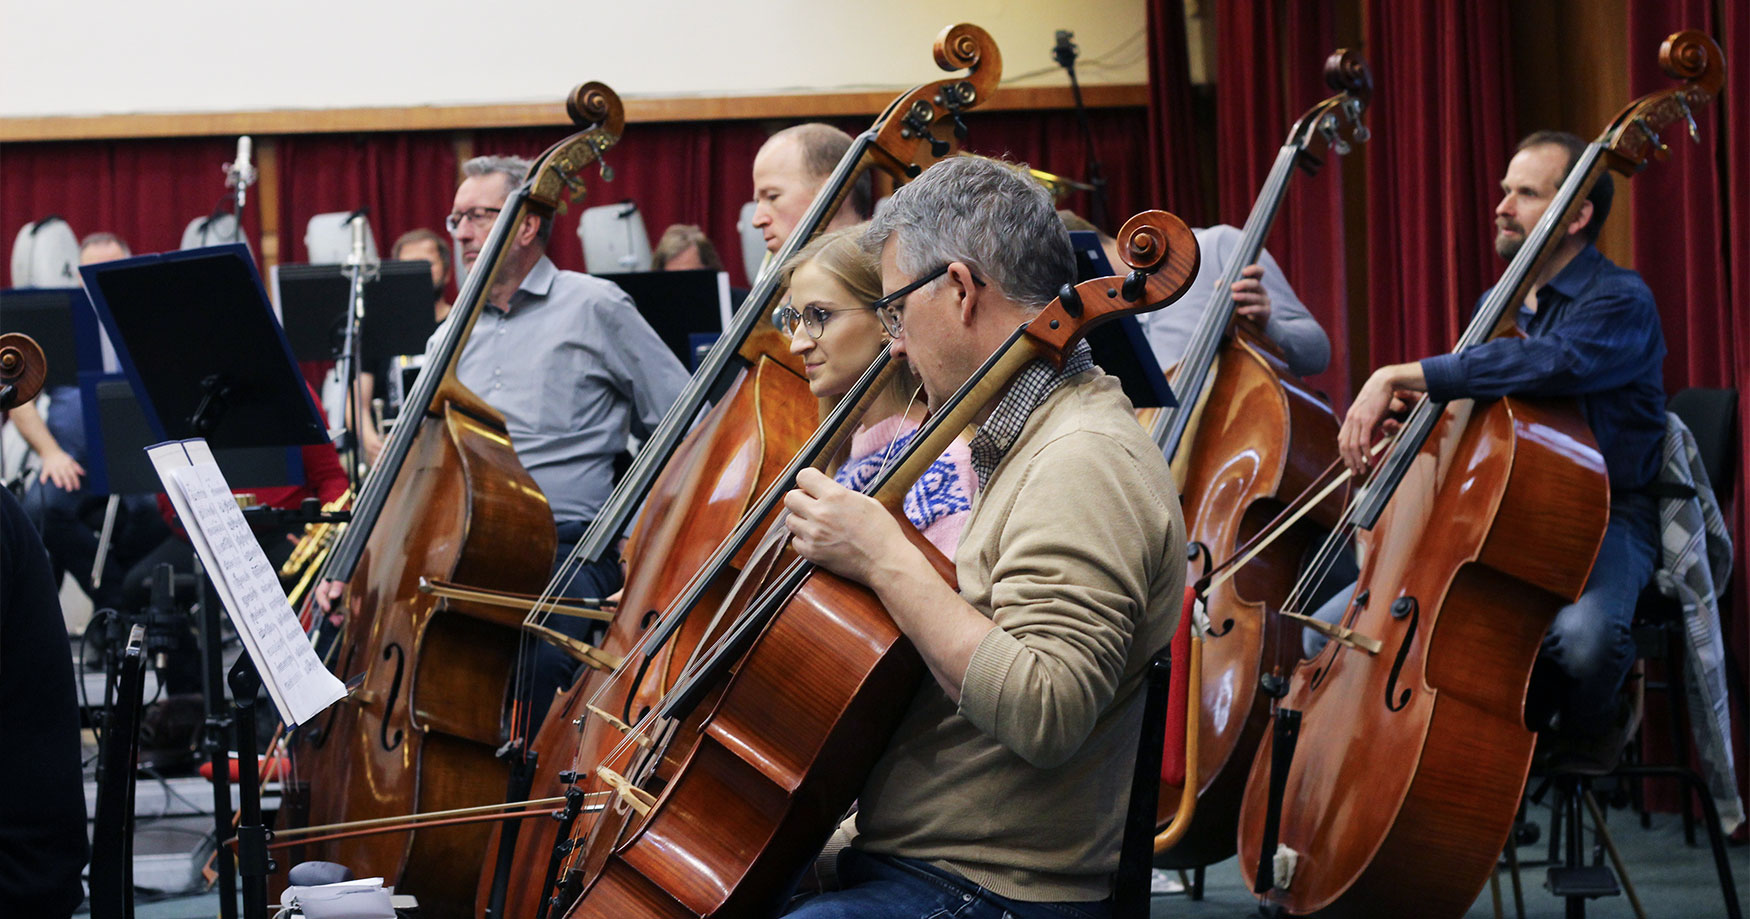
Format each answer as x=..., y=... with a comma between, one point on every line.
x=250, y=590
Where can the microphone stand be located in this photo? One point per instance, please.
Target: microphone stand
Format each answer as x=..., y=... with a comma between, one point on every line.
x=1065, y=55
x=361, y=269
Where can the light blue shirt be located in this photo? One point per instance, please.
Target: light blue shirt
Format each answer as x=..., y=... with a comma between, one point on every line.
x=1291, y=326
x=574, y=369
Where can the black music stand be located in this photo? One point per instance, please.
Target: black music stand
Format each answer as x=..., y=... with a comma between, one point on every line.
x=679, y=305
x=112, y=837
x=205, y=310
x=1121, y=348
x=201, y=346
x=118, y=433
x=313, y=301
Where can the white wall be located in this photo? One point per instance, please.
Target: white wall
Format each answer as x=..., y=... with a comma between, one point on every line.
x=92, y=57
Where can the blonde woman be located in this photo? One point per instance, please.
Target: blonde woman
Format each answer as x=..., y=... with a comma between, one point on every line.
x=833, y=328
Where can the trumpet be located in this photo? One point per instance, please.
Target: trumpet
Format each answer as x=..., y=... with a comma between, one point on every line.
x=313, y=546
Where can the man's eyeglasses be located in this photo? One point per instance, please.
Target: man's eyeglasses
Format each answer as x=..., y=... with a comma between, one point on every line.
x=478, y=216
x=889, y=307
x=810, y=318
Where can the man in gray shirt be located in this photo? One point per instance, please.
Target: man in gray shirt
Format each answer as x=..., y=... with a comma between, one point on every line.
x=1262, y=294
x=569, y=362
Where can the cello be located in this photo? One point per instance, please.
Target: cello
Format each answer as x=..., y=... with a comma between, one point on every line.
x=448, y=500
x=1256, y=436
x=738, y=777
x=1400, y=792
x=711, y=480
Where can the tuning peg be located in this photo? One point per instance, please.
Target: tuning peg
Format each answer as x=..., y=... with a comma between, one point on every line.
x=959, y=126
x=1134, y=284
x=607, y=171
x=1652, y=136
x=938, y=148
x=1071, y=300
x=1362, y=134
x=1694, y=133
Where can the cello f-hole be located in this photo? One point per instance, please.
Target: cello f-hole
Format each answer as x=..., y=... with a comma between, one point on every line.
x=392, y=651
x=1400, y=608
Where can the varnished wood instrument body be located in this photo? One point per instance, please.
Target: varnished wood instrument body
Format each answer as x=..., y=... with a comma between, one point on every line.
x=1482, y=520
x=1262, y=438
x=1249, y=437
x=431, y=678
x=1406, y=780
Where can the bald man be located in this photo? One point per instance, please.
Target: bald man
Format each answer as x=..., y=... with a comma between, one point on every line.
x=789, y=171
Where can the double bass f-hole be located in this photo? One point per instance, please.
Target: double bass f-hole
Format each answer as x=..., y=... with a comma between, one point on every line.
x=392, y=651
x=1402, y=607
x=1193, y=552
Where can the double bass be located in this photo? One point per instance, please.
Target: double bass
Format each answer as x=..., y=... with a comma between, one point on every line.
x=763, y=413
x=1256, y=437
x=430, y=678
x=737, y=778
x=1390, y=780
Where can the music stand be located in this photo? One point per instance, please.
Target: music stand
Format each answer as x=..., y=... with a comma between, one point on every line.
x=678, y=304
x=399, y=317
x=205, y=354
x=198, y=340
x=118, y=433
x=1121, y=348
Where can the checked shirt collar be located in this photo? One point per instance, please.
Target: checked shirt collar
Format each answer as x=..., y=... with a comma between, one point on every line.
x=1031, y=387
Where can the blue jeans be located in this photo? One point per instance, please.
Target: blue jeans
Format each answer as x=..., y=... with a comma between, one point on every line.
x=1589, y=648
x=887, y=887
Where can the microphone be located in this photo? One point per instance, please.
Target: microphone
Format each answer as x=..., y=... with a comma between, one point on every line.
x=1064, y=52
x=239, y=174
x=361, y=256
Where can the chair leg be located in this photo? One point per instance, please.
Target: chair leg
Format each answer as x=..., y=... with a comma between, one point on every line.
x=1677, y=683
x=1609, y=844
x=1518, y=885
x=1711, y=822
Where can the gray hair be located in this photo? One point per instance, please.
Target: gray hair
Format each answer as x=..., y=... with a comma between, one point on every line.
x=515, y=171
x=986, y=213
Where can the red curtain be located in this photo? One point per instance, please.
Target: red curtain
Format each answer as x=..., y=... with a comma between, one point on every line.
x=1270, y=68
x=145, y=191
x=405, y=180
x=1442, y=118
x=684, y=172
x=701, y=173
x=1692, y=245
x=1172, y=183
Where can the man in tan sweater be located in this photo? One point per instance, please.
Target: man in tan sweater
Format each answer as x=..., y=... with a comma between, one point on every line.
x=1003, y=791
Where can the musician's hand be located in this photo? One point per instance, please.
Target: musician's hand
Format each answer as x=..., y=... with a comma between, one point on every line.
x=1387, y=392
x=371, y=442
x=1251, y=300
x=847, y=533
x=326, y=593
x=61, y=469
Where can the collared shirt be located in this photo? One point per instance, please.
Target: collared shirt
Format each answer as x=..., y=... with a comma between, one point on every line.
x=1036, y=381
x=574, y=369
x=1595, y=336
x=1291, y=327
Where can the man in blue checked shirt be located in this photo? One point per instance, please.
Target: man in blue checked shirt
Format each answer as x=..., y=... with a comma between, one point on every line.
x=1591, y=333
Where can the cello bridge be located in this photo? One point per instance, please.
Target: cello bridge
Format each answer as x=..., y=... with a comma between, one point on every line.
x=631, y=795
